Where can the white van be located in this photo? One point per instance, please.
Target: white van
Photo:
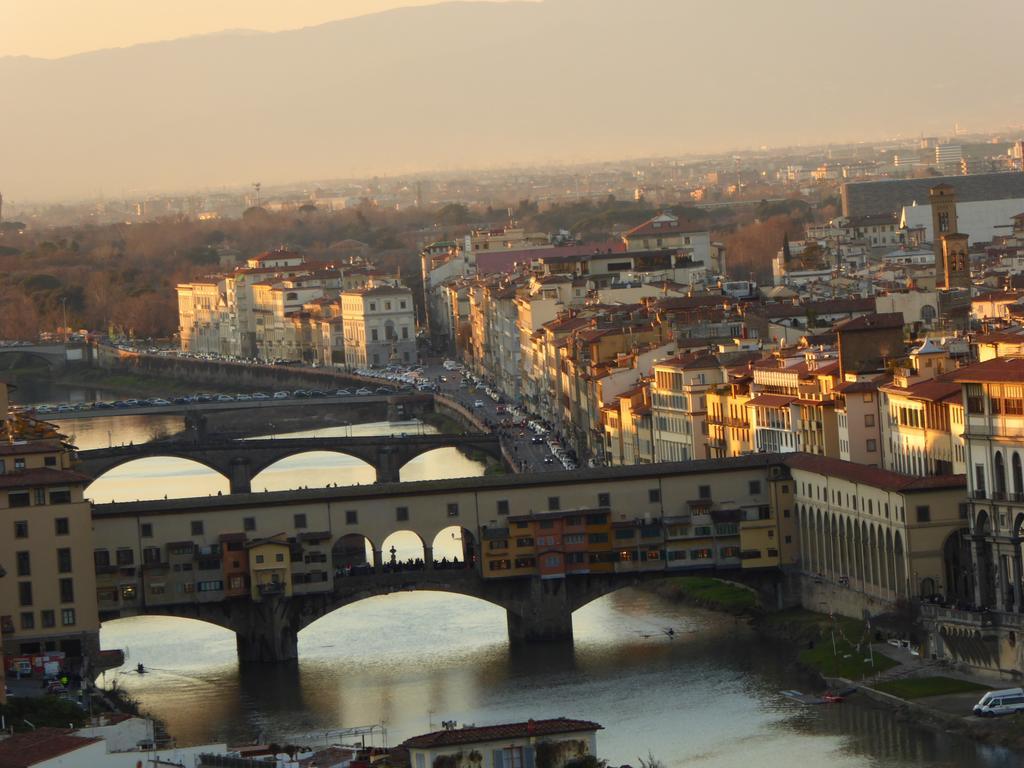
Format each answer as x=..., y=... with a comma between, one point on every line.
x=1003, y=702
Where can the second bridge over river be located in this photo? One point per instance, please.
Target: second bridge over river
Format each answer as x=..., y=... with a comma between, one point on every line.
x=241, y=460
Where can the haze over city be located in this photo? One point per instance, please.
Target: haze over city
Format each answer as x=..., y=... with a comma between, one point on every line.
x=511, y=384
x=474, y=85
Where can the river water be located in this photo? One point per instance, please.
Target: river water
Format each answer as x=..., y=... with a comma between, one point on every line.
x=709, y=698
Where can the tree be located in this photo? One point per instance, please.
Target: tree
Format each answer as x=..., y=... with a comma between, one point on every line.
x=453, y=213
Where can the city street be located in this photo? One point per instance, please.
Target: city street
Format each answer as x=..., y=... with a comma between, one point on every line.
x=516, y=438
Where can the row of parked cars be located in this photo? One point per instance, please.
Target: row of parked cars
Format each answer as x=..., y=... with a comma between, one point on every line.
x=204, y=397
x=405, y=377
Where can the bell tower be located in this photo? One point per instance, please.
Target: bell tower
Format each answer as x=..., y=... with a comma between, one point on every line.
x=942, y=199
x=955, y=262
x=952, y=264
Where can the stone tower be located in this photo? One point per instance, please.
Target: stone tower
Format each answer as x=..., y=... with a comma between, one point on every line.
x=942, y=199
x=952, y=264
x=955, y=262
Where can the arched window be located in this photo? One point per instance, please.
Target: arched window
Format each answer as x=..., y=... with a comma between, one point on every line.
x=1018, y=480
x=1000, y=476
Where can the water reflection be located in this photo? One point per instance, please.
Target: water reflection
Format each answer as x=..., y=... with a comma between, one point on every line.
x=709, y=698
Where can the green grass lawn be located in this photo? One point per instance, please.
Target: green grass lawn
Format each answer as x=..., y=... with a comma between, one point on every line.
x=920, y=687
x=846, y=662
x=722, y=594
x=798, y=617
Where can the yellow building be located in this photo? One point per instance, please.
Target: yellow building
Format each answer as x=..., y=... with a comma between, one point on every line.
x=48, y=597
x=922, y=416
x=882, y=535
x=728, y=420
x=270, y=571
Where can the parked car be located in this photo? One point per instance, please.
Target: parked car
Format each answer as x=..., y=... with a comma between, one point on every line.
x=1002, y=702
x=363, y=391
x=1003, y=705
x=478, y=403
x=281, y=395
x=342, y=392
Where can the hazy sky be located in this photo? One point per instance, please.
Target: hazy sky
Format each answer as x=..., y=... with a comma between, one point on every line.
x=55, y=28
x=462, y=85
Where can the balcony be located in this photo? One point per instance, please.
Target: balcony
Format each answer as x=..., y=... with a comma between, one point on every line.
x=270, y=588
x=979, y=495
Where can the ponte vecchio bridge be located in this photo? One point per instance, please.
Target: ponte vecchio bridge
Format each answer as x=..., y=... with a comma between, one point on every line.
x=266, y=565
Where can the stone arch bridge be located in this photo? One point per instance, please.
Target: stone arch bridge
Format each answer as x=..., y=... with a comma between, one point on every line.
x=241, y=460
x=536, y=609
x=56, y=356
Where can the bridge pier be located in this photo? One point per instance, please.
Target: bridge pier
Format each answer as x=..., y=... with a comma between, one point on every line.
x=428, y=557
x=388, y=467
x=542, y=613
x=241, y=475
x=267, y=631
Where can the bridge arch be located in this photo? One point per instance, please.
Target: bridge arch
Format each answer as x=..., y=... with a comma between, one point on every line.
x=402, y=549
x=454, y=544
x=52, y=360
x=120, y=483
x=353, y=553
x=312, y=468
x=383, y=588
x=159, y=631
x=455, y=462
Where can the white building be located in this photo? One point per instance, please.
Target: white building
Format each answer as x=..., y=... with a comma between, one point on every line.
x=980, y=220
x=379, y=326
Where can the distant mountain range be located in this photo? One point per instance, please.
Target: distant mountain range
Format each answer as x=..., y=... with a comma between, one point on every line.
x=467, y=85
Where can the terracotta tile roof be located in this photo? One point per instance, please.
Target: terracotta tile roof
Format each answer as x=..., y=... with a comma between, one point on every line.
x=24, y=750
x=819, y=308
x=42, y=476
x=567, y=324
x=869, y=385
x=871, y=322
x=934, y=390
x=873, y=476
x=1009, y=296
x=1007, y=336
x=500, y=732
x=670, y=303
x=997, y=369
x=30, y=446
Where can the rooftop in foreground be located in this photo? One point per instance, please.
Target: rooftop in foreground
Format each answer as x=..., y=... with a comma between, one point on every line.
x=501, y=732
